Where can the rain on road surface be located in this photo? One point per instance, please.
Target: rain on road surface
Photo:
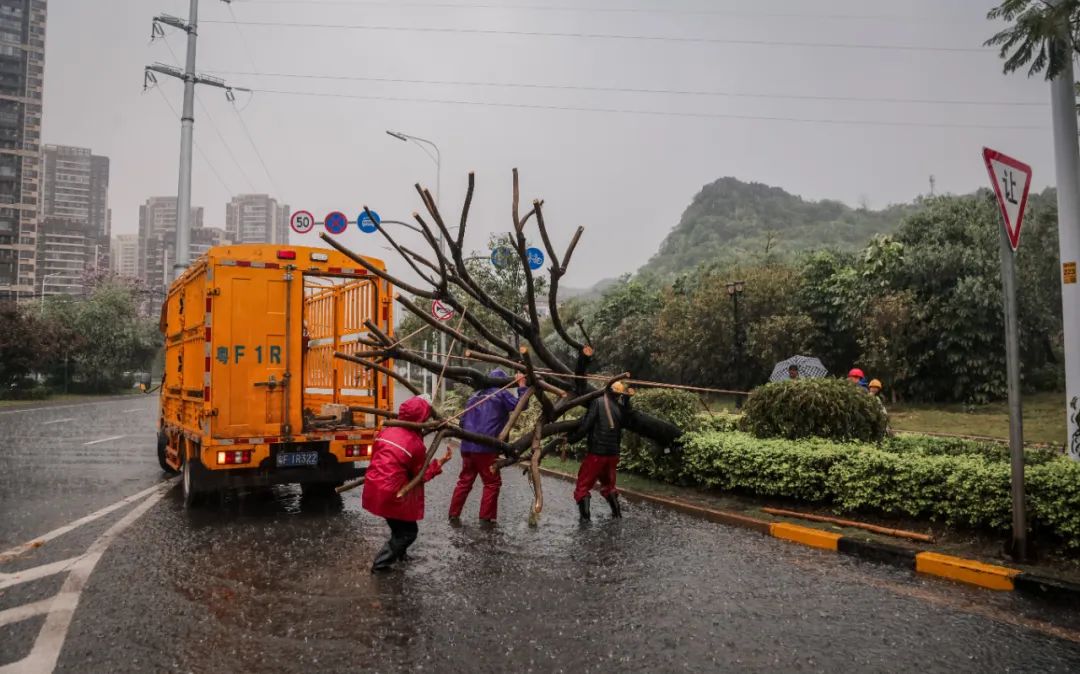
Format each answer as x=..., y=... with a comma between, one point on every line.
x=268, y=582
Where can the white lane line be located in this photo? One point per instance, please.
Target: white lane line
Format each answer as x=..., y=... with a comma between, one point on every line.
x=18, y=550
x=51, y=638
x=63, y=407
x=26, y=575
x=94, y=442
x=20, y=613
x=57, y=421
x=133, y=409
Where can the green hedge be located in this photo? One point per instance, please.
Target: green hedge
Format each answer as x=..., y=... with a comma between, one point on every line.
x=801, y=408
x=965, y=489
x=642, y=456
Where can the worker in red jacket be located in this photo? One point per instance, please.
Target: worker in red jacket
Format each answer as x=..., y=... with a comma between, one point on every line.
x=397, y=457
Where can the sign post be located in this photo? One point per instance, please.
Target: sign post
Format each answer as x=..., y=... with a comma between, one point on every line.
x=1012, y=180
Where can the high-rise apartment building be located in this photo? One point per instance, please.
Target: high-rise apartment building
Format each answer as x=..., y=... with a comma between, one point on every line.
x=256, y=218
x=124, y=255
x=75, y=190
x=22, y=71
x=157, y=240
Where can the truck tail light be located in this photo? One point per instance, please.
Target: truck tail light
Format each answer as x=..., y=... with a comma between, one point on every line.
x=286, y=255
x=357, y=450
x=234, y=458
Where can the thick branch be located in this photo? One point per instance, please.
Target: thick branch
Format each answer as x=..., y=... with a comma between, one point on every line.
x=522, y=403
x=441, y=326
x=396, y=282
x=553, y=290
x=465, y=209
x=379, y=368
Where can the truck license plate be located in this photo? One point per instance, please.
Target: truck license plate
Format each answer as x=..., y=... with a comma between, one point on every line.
x=291, y=459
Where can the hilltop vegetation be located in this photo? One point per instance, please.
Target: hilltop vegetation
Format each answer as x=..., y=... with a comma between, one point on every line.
x=730, y=220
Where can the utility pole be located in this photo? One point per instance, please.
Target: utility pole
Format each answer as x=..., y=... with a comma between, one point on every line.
x=187, y=122
x=932, y=184
x=1067, y=166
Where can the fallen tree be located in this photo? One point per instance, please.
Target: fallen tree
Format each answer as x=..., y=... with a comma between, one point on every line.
x=557, y=386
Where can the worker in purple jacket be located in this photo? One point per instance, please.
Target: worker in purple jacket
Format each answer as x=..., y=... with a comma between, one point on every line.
x=488, y=411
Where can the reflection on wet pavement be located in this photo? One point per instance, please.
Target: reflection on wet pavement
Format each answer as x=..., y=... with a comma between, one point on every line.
x=272, y=582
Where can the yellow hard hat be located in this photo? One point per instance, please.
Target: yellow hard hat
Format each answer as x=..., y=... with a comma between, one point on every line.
x=621, y=389
x=874, y=383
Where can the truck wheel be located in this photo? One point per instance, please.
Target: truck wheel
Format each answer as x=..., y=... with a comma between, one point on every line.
x=162, y=443
x=191, y=497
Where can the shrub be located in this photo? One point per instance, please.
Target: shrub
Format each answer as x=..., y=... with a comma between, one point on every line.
x=800, y=408
x=964, y=489
x=722, y=421
x=940, y=446
x=642, y=456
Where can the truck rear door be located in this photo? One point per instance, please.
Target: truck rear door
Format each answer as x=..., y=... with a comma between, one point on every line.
x=252, y=312
x=335, y=309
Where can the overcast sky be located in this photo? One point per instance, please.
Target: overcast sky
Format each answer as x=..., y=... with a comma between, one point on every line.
x=626, y=177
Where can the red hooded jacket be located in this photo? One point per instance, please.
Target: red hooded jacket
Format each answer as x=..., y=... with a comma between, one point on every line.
x=397, y=456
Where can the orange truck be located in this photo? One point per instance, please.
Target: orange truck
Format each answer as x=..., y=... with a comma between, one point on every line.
x=252, y=394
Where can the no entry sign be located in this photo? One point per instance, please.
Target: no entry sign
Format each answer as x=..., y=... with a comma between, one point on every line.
x=440, y=311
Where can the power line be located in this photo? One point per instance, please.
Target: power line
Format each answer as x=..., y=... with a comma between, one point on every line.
x=659, y=113
x=255, y=147
x=213, y=124
x=611, y=36
x=198, y=147
x=601, y=10
x=243, y=38
x=636, y=90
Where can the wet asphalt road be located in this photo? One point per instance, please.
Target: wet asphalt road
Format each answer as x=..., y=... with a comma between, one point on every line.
x=268, y=582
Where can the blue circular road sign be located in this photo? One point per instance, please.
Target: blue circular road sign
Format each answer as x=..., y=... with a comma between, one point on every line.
x=336, y=222
x=536, y=258
x=501, y=257
x=368, y=225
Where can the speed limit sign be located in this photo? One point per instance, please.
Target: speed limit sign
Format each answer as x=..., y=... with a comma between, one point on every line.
x=440, y=311
x=302, y=222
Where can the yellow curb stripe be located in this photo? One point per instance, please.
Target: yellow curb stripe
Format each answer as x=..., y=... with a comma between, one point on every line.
x=816, y=538
x=965, y=570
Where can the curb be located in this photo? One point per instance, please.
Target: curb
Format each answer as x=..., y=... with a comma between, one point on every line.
x=926, y=562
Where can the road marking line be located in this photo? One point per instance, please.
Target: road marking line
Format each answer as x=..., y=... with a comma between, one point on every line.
x=94, y=442
x=18, y=550
x=25, y=612
x=50, y=639
x=57, y=421
x=63, y=407
x=27, y=575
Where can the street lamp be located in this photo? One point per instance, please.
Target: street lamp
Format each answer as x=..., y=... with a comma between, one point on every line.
x=43, y=280
x=437, y=158
x=734, y=289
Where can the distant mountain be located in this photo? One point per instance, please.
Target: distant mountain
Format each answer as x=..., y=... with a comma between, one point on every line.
x=730, y=220
x=591, y=293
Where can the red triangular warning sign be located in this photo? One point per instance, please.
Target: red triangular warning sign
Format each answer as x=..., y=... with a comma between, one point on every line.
x=1011, y=179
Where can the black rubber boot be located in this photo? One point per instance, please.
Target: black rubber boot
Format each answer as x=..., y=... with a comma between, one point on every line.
x=583, y=508
x=384, y=559
x=613, y=501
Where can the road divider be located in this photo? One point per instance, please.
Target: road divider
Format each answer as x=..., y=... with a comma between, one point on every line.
x=926, y=562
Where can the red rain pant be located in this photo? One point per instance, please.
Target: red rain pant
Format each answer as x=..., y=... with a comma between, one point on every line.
x=473, y=464
x=593, y=468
